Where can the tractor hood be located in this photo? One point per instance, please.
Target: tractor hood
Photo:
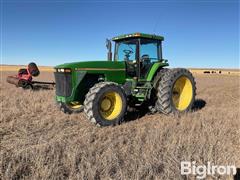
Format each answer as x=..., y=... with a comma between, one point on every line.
x=92, y=65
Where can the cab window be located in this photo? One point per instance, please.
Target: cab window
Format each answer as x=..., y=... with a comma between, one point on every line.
x=126, y=50
x=149, y=49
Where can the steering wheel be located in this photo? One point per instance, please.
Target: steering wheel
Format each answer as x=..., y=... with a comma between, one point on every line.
x=127, y=52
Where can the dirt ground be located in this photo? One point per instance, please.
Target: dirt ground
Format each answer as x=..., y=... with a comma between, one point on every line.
x=37, y=141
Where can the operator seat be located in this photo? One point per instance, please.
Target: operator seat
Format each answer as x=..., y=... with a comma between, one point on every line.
x=131, y=69
x=145, y=64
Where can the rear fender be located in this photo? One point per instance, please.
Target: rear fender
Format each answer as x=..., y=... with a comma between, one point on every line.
x=154, y=69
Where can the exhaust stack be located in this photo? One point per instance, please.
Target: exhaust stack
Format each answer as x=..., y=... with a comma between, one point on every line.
x=109, y=47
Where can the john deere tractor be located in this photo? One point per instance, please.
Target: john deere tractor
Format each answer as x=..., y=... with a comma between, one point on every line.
x=135, y=76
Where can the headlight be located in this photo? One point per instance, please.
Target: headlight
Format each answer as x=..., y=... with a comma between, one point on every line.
x=63, y=70
x=67, y=70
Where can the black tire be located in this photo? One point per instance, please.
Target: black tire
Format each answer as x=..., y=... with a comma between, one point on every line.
x=158, y=77
x=67, y=108
x=33, y=69
x=24, y=84
x=96, y=95
x=169, y=100
x=28, y=86
x=153, y=99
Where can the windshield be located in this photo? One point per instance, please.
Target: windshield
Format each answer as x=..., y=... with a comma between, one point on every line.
x=126, y=50
x=149, y=49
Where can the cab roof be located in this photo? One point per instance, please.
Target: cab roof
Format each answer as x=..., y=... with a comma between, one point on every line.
x=138, y=35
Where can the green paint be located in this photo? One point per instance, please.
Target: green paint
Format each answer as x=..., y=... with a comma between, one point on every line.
x=154, y=69
x=109, y=70
x=94, y=71
x=138, y=35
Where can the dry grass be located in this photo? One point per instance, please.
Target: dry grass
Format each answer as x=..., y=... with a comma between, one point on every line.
x=215, y=71
x=15, y=68
x=37, y=141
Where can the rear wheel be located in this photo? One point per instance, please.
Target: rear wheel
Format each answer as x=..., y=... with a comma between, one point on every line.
x=72, y=107
x=176, y=91
x=153, y=99
x=105, y=104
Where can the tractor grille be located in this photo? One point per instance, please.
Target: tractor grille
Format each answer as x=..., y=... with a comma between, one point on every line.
x=63, y=83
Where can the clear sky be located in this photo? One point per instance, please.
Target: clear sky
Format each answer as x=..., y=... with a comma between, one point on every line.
x=197, y=33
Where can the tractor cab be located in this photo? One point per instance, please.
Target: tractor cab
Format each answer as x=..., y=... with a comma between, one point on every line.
x=139, y=52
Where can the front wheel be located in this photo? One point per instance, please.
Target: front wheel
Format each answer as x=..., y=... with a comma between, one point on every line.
x=176, y=91
x=105, y=104
x=71, y=107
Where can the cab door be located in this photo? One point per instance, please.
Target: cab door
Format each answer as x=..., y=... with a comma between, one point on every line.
x=127, y=51
x=149, y=54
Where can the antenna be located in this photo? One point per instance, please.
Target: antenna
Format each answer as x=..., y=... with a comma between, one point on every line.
x=155, y=26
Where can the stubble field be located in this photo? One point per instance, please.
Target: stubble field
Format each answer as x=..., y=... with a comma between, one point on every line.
x=37, y=141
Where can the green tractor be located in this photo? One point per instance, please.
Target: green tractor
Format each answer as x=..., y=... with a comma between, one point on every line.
x=136, y=76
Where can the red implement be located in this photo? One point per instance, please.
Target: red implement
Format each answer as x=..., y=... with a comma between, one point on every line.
x=24, y=78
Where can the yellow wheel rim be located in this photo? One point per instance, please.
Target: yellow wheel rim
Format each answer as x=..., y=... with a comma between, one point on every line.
x=110, y=105
x=182, y=93
x=75, y=105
